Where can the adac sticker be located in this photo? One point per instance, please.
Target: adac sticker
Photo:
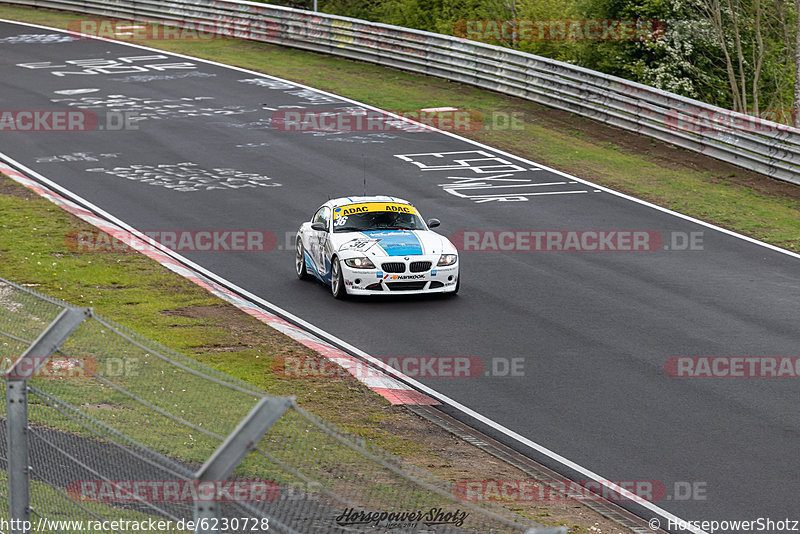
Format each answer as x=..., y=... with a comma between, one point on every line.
x=373, y=206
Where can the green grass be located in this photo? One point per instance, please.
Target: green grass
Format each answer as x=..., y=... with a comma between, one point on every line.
x=55, y=506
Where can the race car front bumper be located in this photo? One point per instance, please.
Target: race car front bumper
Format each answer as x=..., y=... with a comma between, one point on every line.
x=408, y=282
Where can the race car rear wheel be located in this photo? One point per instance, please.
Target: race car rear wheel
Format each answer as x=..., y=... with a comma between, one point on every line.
x=337, y=280
x=300, y=261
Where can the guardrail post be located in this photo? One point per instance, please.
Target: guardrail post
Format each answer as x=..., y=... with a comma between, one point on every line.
x=221, y=464
x=18, y=459
x=26, y=366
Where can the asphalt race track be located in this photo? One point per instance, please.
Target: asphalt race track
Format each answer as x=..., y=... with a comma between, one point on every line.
x=592, y=330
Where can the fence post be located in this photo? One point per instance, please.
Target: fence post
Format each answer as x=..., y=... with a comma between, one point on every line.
x=17, y=400
x=220, y=465
x=18, y=460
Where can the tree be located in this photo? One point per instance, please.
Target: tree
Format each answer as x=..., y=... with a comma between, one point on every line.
x=737, y=54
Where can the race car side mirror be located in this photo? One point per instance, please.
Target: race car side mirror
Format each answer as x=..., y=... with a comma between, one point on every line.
x=433, y=223
x=319, y=226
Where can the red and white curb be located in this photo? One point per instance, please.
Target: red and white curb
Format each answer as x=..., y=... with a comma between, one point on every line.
x=393, y=390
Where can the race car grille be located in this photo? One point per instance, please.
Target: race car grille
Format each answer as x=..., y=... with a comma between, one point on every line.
x=436, y=285
x=419, y=266
x=394, y=267
x=405, y=286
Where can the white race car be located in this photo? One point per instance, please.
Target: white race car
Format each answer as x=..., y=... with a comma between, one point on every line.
x=375, y=245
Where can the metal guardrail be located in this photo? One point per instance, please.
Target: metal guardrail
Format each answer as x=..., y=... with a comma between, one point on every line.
x=749, y=142
x=101, y=426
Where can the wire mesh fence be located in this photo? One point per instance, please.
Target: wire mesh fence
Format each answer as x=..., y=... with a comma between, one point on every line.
x=125, y=435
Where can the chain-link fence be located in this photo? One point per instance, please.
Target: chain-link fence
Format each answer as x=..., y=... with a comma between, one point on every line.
x=116, y=433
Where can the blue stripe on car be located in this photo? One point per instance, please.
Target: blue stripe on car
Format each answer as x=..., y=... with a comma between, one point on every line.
x=396, y=242
x=311, y=267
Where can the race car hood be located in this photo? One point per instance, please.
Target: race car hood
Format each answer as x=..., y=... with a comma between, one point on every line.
x=391, y=243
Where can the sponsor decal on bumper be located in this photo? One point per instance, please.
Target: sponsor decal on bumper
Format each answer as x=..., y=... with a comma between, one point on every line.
x=375, y=281
x=393, y=277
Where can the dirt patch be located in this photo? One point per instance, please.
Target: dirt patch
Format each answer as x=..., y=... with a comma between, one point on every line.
x=248, y=332
x=102, y=406
x=10, y=188
x=95, y=241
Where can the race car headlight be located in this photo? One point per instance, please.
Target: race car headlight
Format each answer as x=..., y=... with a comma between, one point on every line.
x=447, y=259
x=359, y=263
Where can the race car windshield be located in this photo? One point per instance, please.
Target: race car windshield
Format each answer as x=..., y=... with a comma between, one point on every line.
x=377, y=220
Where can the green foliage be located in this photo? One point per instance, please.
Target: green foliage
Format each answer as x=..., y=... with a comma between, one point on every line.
x=684, y=52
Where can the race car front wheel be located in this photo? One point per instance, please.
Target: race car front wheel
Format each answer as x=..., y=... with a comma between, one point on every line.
x=337, y=280
x=454, y=292
x=300, y=261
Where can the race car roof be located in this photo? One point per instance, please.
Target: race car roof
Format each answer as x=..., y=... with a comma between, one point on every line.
x=345, y=201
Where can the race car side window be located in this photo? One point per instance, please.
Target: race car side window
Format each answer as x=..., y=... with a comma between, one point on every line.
x=323, y=215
